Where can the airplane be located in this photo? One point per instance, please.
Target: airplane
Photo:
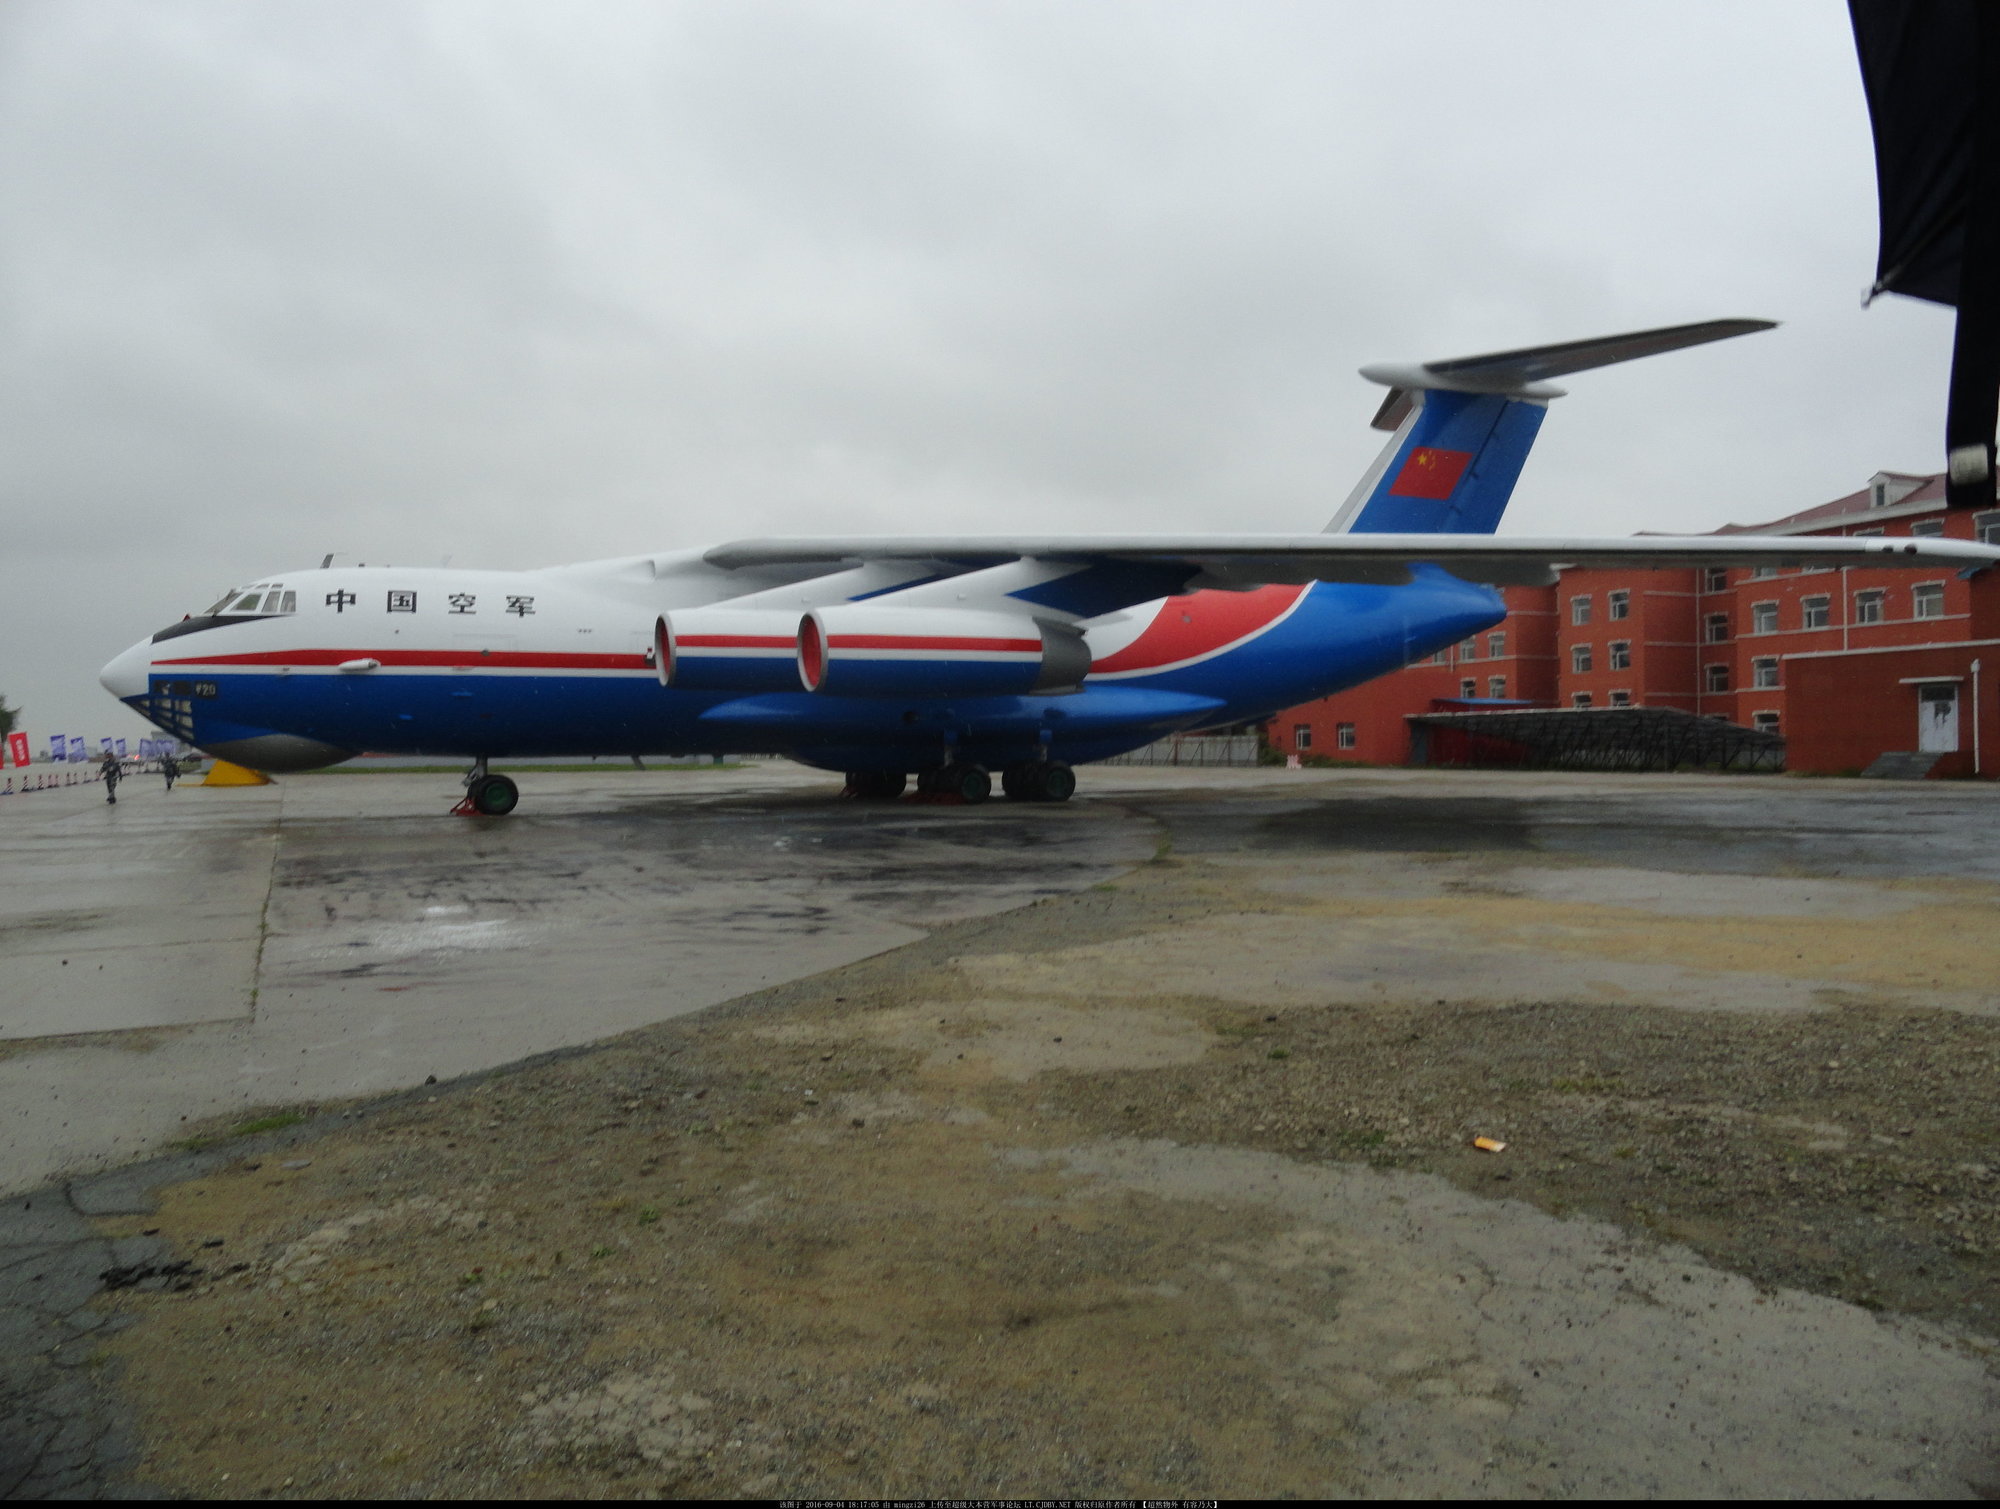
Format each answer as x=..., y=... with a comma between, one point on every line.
x=949, y=657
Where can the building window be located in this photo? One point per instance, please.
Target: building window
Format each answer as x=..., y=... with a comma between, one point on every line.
x=1469, y=650
x=1927, y=529
x=1579, y=610
x=1927, y=600
x=1868, y=606
x=1715, y=579
x=1343, y=735
x=1579, y=658
x=1496, y=686
x=1986, y=528
x=1618, y=604
x=1763, y=618
x=1718, y=628
x=1760, y=573
x=1764, y=723
x=1496, y=646
x=1439, y=658
x=1621, y=655
x=1468, y=688
x=1621, y=699
x=1715, y=678
x=1302, y=736
x=1814, y=612
x=1870, y=533
x=1764, y=672
x=1580, y=699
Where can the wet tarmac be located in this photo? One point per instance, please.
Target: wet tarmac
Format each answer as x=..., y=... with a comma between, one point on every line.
x=1163, y=1186
x=187, y=955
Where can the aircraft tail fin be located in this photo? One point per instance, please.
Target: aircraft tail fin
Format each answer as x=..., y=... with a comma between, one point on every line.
x=1463, y=428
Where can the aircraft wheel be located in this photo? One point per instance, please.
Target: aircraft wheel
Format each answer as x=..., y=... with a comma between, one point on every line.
x=495, y=796
x=1058, y=783
x=876, y=785
x=968, y=783
x=1019, y=784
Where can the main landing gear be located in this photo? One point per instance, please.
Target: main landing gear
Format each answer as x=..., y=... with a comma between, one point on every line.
x=1038, y=783
x=964, y=782
x=486, y=794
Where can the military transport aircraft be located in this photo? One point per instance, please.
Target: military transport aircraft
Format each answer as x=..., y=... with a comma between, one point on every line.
x=947, y=656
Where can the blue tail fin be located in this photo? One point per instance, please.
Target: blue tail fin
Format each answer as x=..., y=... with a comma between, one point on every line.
x=1464, y=429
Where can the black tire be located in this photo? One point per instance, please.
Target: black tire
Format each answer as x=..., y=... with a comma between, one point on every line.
x=877, y=785
x=1018, y=782
x=495, y=796
x=1057, y=784
x=968, y=783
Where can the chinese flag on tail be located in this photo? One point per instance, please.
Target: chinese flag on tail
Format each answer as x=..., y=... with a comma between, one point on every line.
x=1430, y=473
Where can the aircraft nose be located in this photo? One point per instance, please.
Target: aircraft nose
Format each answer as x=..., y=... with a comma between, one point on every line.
x=126, y=676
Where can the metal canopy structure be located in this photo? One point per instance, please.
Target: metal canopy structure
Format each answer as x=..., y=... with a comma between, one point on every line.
x=1594, y=738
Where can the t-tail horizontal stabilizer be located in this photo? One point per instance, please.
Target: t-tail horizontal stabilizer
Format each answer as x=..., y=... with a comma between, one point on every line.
x=1463, y=428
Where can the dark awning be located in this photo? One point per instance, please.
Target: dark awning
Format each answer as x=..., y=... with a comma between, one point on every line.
x=1931, y=70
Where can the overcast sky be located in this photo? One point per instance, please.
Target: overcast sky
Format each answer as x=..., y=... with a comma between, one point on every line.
x=530, y=283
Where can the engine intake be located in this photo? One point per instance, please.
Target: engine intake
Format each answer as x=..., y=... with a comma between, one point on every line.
x=857, y=650
x=727, y=649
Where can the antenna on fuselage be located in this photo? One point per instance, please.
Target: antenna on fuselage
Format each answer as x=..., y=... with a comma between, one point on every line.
x=327, y=562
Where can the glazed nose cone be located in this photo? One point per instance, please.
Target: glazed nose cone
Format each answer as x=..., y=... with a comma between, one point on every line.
x=125, y=677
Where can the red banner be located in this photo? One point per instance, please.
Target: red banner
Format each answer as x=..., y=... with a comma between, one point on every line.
x=17, y=749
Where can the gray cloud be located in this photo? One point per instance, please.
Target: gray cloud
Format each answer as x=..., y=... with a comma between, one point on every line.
x=523, y=284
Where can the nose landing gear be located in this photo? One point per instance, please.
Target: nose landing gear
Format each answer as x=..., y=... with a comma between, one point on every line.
x=486, y=794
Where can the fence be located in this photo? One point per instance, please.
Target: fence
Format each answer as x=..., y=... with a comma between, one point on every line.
x=1194, y=749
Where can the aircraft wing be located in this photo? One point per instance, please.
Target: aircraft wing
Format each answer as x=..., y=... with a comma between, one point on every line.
x=1241, y=561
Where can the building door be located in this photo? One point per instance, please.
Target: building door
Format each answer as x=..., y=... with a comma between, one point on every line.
x=1937, y=719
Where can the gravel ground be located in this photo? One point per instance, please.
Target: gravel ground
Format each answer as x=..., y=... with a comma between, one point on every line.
x=977, y=1217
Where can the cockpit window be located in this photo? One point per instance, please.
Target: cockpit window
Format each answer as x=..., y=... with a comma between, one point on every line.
x=263, y=599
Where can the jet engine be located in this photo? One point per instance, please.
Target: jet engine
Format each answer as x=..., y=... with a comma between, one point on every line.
x=862, y=650
x=728, y=649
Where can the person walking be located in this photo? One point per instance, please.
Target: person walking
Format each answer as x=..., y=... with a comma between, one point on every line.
x=169, y=767
x=111, y=777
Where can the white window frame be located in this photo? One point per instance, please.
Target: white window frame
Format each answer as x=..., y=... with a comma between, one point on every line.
x=1496, y=686
x=1579, y=699
x=1468, y=689
x=1715, y=677
x=1762, y=611
x=1579, y=611
x=1871, y=606
x=1715, y=579
x=1618, y=604
x=1620, y=698
x=1580, y=659
x=1986, y=527
x=1926, y=529
x=1715, y=629
x=1927, y=599
x=1302, y=736
x=1765, y=721
x=1618, y=655
x=1810, y=605
x=1496, y=646
x=1764, y=673
x=1343, y=736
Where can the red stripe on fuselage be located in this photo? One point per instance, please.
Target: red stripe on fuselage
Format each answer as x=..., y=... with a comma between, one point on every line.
x=915, y=642
x=1201, y=623
x=525, y=659
x=737, y=641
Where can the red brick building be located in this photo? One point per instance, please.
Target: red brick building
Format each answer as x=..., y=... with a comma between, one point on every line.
x=1846, y=663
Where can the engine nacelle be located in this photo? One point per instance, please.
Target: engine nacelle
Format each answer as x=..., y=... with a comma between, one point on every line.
x=861, y=650
x=728, y=649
